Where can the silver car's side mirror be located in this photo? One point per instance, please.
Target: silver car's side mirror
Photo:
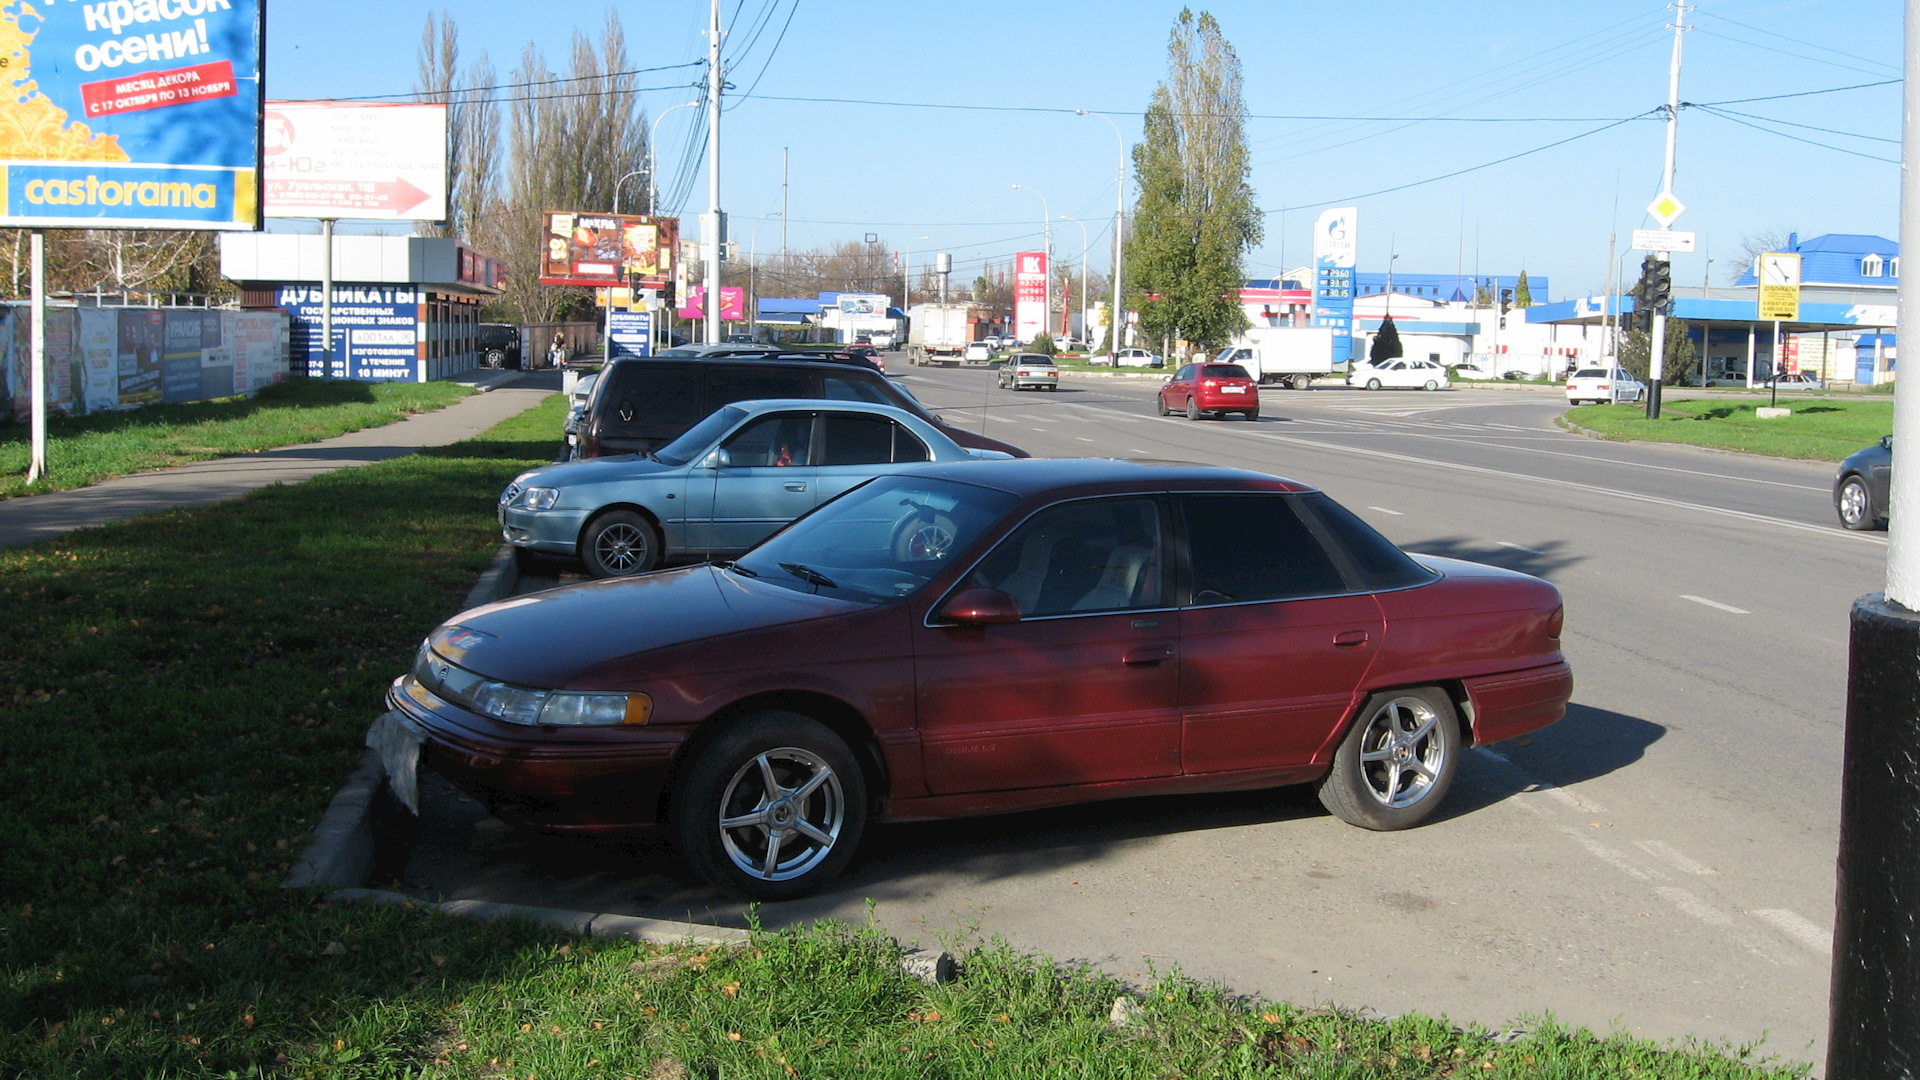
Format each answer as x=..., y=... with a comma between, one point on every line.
x=719, y=459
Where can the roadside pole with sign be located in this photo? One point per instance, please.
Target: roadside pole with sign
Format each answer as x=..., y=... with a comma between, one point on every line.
x=94, y=139
x=331, y=160
x=1779, y=299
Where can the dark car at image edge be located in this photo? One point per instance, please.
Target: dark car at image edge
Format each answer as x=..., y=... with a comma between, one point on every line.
x=1862, y=487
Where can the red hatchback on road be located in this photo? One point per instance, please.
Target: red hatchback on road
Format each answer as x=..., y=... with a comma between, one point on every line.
x=1210, y=390
x=986, y=637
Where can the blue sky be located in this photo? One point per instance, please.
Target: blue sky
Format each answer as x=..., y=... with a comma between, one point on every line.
x=1535, y=72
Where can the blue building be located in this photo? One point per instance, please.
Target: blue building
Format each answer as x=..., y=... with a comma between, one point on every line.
x=1448, y=288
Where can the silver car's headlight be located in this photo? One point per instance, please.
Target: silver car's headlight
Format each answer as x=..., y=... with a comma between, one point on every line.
x=539, y=498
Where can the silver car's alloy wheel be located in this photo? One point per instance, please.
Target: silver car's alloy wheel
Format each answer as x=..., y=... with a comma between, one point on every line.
x=621, y=547
x=1401, y=752
x=1856, y=504
x=781, y=814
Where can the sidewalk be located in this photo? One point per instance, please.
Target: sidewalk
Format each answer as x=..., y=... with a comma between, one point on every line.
x=32, y=518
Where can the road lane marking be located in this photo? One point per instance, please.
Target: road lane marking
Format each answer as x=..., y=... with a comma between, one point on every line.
x=1670, y=855
x=1715, y=604
x=1384, y=510
x=1613, y=857
x=1137, y=450
x=1832, y=532
x=1083, y=438
x=1801, y=930
x=1519, y=547
x=1694, y=906
x=1535, y=785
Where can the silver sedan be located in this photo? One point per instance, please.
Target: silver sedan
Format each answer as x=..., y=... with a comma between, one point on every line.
x=728, y=483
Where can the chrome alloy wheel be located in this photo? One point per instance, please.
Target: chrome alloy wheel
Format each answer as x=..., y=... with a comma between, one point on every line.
x=1401, y=752
x=781, y=814
x=621, y=546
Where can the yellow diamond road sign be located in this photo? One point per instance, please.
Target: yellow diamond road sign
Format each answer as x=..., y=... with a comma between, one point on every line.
x=1665, y=208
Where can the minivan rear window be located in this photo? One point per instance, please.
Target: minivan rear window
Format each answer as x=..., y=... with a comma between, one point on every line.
x=663, y=395
x=730, y=383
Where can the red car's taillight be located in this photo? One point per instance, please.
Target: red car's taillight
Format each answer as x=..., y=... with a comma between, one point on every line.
x=1556, y=621
x=1210, y=384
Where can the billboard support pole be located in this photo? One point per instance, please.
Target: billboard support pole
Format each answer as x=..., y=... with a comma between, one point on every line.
x=326, y=299
x=37, y=463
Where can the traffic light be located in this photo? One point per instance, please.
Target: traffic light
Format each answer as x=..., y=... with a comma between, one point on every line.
x=1659, y=286
x=1506, y=301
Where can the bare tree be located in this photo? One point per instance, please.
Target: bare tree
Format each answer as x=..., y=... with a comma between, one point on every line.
x=439, y=72
x=1755, y=244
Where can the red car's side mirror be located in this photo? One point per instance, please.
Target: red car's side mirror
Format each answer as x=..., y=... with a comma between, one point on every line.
x=978, y=607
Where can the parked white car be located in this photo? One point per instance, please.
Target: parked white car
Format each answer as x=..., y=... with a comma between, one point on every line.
x=1131, y=358
x=1400, y=375
x=1603, y=385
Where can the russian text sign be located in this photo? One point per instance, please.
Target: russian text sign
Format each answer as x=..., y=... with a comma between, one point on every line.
x=332, y=159
x=137, y=114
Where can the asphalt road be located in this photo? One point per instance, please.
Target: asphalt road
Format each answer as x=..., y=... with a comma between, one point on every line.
x=1661, y=861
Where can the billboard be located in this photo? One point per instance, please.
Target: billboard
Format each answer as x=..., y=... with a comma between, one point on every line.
x=1779, y=286
x=1336, y=238
x=733, y=303
x=331, y=159
x=377, y=331
x=863, y=303
x=131, y=115
x=1029, y=294
x=608, y=249
x=629, y=333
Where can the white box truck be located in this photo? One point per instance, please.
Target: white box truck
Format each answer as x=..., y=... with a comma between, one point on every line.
x=938, y=333
x=1284, y=355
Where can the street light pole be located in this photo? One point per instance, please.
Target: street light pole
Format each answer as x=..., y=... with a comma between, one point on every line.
x=1117, y=318
x=1083, y=271
x=1046, y=232
x=653, y=137
x=715, y=242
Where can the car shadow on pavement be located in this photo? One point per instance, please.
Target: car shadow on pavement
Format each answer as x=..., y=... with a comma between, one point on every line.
x=466, y=854
x=1543, y=561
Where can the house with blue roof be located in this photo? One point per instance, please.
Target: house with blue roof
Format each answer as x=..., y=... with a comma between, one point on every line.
x=1841, y=262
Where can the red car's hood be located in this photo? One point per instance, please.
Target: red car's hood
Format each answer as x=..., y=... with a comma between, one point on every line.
x=556, y=639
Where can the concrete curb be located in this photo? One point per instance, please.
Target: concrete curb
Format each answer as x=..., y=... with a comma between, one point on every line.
x=341, y=854
x=595, y=924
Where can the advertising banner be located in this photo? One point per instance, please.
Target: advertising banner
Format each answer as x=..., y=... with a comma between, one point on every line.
x=609, y=249
x=376, y=331
x=140, y=346
x=863, y=303
x=1029, y=294
x=333, y=159
x=133, y=115
x=98, y=352
x=1336, y=238
x=1779, y=286
x=733, y=303
x=629, y=333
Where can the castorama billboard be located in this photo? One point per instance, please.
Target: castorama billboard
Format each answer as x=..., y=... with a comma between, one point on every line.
x=1029, y=295
x=131, y=114
x=1335, y=239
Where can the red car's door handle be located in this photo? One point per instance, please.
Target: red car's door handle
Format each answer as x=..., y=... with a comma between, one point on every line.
x=1147, y=657
x=1349, y=638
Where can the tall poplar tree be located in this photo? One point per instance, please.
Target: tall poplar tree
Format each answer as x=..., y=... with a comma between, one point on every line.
x=1195, y=216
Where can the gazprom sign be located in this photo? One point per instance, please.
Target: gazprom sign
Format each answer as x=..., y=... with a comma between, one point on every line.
x=1336, y=238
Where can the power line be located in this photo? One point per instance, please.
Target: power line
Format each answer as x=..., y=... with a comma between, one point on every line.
x=1797, y=138
x=1800, y=94
x=1797, y=41
x=1471, y=168
x=770, y=55
x=1809, y=127
x=415, y=95
x=1788, y=52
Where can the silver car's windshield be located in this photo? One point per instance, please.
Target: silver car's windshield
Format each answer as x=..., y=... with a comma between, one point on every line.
x=700, y=436
x=881, y=541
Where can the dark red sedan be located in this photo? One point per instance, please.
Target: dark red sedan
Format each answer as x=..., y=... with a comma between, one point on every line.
x=985, y=637
x=1205, y=389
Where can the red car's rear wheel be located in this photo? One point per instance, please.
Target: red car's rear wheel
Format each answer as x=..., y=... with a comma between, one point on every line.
x=1397, y=761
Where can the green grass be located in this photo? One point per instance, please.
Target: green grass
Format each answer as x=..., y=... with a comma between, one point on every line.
x=85, y=450
x=180, y=696
x=1820, y=429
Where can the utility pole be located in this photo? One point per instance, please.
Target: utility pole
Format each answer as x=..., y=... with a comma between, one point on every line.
x=714, y=225
x=1609, y=344
x=1874, y=1010
x=783, y=209
x=1657, y=350
x=37, y=458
